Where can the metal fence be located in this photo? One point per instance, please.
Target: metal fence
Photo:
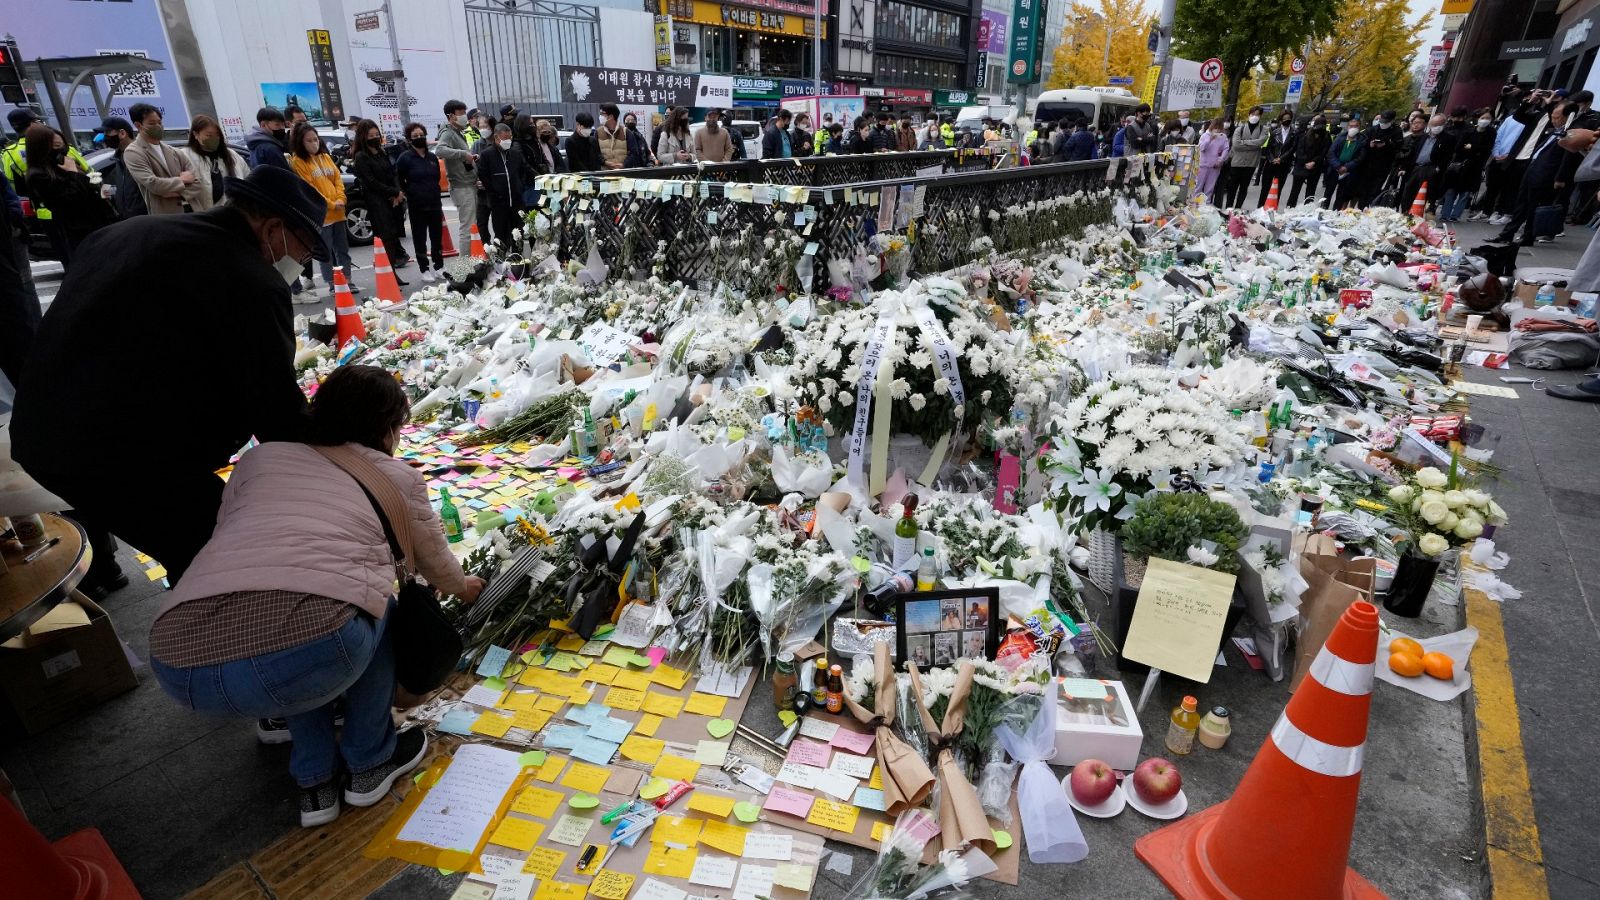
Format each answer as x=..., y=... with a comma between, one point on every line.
x=751, y=236
x=824, y=170
x=518, y=48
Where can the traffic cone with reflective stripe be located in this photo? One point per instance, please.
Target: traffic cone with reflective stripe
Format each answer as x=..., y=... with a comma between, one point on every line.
x=1272, y=196
x=1420, y=205
x=388, y=286
x=79, y=865
x=445, y=239
x=347, y=316
x=1286, y=830
x=477, y=245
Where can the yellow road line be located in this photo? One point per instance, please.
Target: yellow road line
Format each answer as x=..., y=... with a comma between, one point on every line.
x=1516, y=863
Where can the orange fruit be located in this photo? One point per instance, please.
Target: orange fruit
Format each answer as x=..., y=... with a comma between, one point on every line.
x=1405, y=664
x=1406, y=645
x=1440, y=666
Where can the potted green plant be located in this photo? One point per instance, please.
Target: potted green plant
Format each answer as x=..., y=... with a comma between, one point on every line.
x=1185, y=527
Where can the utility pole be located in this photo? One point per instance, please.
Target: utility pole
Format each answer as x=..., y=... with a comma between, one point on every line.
x=816, y=52
x=402, y=103
x=1169, y=9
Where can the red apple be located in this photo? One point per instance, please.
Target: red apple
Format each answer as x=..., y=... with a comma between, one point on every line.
x=1092, y=782
x=1157, y=781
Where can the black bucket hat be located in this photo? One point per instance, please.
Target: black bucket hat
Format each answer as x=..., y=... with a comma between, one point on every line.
x=291, y=198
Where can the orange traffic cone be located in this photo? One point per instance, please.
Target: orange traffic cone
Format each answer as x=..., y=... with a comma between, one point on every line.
x=1420, y=205
x=78, y=865
x=1272, y=195
x=477, y=245
x=388, y=286
x=445, y=238
x=1286, y=830
x=347, y=316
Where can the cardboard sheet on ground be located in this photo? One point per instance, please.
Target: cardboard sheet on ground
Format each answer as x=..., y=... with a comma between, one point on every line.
x=1178, y=620
x=1457, y=645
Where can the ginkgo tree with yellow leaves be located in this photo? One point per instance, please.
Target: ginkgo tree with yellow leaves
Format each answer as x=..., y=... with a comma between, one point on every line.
x=1103, y=39
x=1365, y=63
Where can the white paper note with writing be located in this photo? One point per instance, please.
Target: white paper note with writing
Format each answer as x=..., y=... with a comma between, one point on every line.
x=754, y=883
x=714, y=871
x=457, y=810
x=765, y=845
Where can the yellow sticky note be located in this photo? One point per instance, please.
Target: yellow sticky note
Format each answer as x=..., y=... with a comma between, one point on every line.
x=571, y=642
x=833, y=816
x=549, y=703
x=617, y=656
x=558, y=890
x=156, y=573
x=609, y=885
x=633, y=681
x=711, y=804
x=880, y=830
x=669, y=677
x=722, y=836
x=493, y=724
x=537, y=802
x=520, y=700
x=669, y=862
x=679, y=830
x=662, y=704
x=876, y=781
x=675, y=768
x=587, y=778
x=642, y=749
x=622, y=698
x=544, y=862
x=705, y=704
x=568, y=686
x=518, y=834
x=531, y=719
x=794, y=876
x=534, y=678
x=601, y=674
x=582, y=696
x=647, y=725
x=551, y=769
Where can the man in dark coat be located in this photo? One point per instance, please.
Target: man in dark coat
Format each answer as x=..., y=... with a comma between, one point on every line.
x=505, y=174
x=1382, y=148
x=1310, y=159
x=112, y=356
x=1550, y=170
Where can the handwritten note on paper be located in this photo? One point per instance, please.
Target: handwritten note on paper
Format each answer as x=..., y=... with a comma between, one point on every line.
x=837, y=784
x=652, y=889
x=586, y=778
x=517, y=833
x=705, y=704
x=459, y=808
x=766, y=845
x=785, y=800
x=544, y=862
x=714, y=871
x=794, y=876
x=537, y=802
x=1178, y=620
x=834, y=816
x=799, y=775
x=852, y=765
x=820, y=729
x=853, y=741
x=609, y=885
x=754, y=882
x=722, y=836
x=809, y=752
x=570, y=830
x=515, y=887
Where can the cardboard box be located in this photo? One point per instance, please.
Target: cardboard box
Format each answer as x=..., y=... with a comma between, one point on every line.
x=60, y=673
x=1527, y=290
x=1095, y=735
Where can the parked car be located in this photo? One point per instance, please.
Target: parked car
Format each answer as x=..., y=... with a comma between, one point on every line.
x=356, y=217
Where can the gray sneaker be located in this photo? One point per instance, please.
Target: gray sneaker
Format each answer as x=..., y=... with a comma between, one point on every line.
x=319, y=805
x=367, y=788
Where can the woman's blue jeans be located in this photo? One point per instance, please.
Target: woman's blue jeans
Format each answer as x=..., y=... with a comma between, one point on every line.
x=301, y=684
x=337, y=236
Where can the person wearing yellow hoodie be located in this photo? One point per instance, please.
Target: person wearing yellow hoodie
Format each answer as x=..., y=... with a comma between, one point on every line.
x=310, y=160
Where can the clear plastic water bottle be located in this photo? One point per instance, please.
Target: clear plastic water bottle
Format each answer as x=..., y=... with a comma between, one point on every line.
x=1546, y=295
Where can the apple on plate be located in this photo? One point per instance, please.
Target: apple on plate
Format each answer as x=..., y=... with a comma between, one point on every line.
x=1092, y=782
x=1156, y=781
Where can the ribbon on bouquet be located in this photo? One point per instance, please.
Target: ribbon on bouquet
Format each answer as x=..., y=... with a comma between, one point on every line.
x=933, y=333
x=864, y=390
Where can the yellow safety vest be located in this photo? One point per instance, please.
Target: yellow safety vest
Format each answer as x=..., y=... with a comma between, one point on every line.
x=16, y=168
x=948, y=134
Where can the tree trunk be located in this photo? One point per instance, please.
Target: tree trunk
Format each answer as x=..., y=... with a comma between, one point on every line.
x=1230, y=98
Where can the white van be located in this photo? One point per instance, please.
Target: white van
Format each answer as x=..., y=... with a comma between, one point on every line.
x=1102, y=107
x=972, y=116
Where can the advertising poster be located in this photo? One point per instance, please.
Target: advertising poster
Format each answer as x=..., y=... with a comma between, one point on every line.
x=284, y=94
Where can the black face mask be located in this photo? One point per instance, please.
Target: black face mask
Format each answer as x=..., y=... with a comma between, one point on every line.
x=112, y=142
x=61, y=156
x=374, y=142
x=421, y=143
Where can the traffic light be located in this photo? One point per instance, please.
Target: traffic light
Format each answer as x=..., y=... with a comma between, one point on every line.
x=11, y=78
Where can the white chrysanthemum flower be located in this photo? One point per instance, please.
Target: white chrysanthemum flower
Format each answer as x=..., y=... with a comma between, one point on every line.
x=918, y=402
x=899, y=388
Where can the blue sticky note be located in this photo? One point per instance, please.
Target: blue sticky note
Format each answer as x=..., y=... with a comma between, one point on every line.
x=458, y=721
x=494, y=662
x=589, y=713
x=869, y=798
x=592, y=750
x=564, y=737
x=611, y=729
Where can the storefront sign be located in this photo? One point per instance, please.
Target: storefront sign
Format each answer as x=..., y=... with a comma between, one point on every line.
x=954, y=98
x=602, y=84
x=327, y=76
x=1436, y=59
x=983, y=69
x=1524, y=49
x=744, y=18
x=992, y=31
x=745, y=88
x=1576, y=35
x=367, y=21
x=1023, y=65
x=1455, y=7
x=857, y=24
x=790, y=87
x=663, y=42
x=907, y=96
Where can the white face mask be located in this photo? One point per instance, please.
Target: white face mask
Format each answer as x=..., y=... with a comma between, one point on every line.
x=1485, y=123
x=1254, y=119
x=1435, y=129
x=1352, y=131
x=505, y=144
x=1184, y=121
x=288, y=267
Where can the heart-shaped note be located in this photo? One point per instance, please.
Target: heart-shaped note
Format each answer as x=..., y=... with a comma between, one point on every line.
x=583, y=801
x=654, y=788
x=1002, y=839
x=787, y=717
x=746, y=812
x=720, y=728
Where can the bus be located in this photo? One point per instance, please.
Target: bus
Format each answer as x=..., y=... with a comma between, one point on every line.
x=1102, y=107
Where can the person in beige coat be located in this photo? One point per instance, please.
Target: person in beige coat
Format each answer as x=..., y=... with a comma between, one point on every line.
x=211, y=160
x=713, y=143
x=162, y=174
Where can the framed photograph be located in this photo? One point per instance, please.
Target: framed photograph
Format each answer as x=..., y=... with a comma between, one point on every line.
x=940, y=628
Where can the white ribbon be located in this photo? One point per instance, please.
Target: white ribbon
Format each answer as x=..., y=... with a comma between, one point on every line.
x=869, y=377
x=933, y=331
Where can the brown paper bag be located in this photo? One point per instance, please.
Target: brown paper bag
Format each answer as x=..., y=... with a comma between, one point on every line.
x=907, y=780
x=961, y=818
x=1335, y=584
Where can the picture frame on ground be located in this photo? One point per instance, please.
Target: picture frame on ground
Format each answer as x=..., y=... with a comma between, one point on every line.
x=939, y=628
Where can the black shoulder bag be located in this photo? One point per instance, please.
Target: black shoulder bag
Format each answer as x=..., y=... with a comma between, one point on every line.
x=426, y=646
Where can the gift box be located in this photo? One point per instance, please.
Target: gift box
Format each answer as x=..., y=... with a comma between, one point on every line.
x=1095, y=720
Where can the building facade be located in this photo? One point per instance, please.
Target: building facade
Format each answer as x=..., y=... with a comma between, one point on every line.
x=769, y=39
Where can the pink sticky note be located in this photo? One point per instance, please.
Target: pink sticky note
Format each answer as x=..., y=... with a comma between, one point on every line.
x=852, y=741
x=656, y=654
x=809, y=752
x=784, y=800
x=569, y=472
